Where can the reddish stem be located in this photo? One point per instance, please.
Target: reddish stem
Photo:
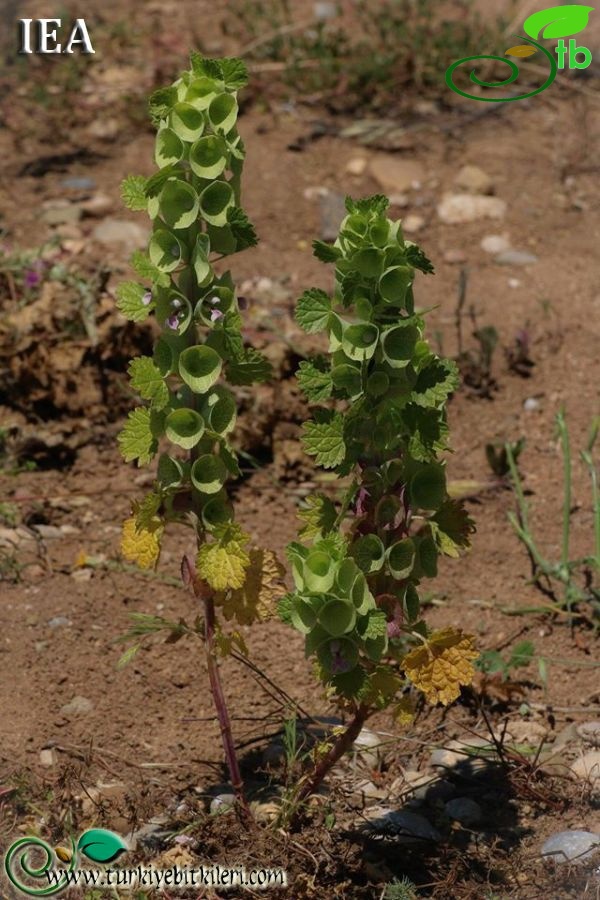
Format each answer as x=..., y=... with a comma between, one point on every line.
x=203, y=593
x=340, y=746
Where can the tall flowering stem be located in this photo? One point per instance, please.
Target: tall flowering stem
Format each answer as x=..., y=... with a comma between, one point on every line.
x=379, y=400
x=188, y=413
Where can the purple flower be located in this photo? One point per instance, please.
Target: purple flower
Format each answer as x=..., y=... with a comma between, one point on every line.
x=32, y=278
x=147, y=298
x=339, y=665
x=173, y=322
x=215, y=315
x=360, y=507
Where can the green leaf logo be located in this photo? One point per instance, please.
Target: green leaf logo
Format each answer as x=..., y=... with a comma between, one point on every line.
x=558, y=22
x=101, y=845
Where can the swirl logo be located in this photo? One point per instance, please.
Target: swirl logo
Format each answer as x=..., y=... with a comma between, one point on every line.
x=556, y=22
x=98, y=845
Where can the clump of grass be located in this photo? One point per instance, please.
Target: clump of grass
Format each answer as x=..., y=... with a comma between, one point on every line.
x=370, y=57
x=570, y=583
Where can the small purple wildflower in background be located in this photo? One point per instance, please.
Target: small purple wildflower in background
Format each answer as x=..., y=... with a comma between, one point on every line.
x=173, y=322
x=215, y=315
x=32, y=278
x=147, y=298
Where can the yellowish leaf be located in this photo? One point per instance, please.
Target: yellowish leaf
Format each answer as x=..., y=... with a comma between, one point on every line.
x=223, y=563
x=81, y=560
x=441, y=666
x=520, y=50
x=141, y=546
x=227, y=642
x=257, y=596
x=404, y=711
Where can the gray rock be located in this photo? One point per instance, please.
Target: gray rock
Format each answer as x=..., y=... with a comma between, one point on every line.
x=422, y=786
x=221, y=803
x=151, y=835
x=462, y=755
x=516, y=258
x=333, y=210
x=464, y=810
x=59, y=622
x=395, y=175
x=531, y=404
x=78, y=183
x=128, y=235
x=77, y=706
x=403, y=821
x=60, y=212
x=495, y=243
x=458, y=209
x=49, y=532
x=590, y=733
x=571, y=847
x=475, y=180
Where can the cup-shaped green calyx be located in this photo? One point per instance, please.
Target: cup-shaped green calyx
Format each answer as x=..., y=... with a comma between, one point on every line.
x=193, y=200
x=381, y=421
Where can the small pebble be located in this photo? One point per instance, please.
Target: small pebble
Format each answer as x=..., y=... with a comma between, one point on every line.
x=495, y=243
x=587, y=767
x=59, y=622
x=455, y=256
x=403, y=821
x=531, y=404
x=514, y=283
x=516, y=258
x=412, y=224
x=356, y=166
x=221, y=803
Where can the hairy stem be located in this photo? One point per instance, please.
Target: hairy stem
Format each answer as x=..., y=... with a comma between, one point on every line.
x=342, y=743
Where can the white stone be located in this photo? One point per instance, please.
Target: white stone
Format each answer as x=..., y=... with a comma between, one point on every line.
x=356, y=166
x=412, y=224
x=475, y=180
x=495, y=243
x=394, y=174
x=117, y=232
x=77, y=706
x=587, y=767
x=459, y=209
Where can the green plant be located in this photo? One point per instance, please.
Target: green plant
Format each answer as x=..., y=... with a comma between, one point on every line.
x=569, y=582
x=492, y=661
x=194, y=203
x=400, y=889
x=380, y=417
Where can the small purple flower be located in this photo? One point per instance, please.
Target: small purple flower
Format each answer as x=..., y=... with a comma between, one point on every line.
x=32, y=278
x=339, y=665
x=361, y=507
x=147, y=298
x=173, y=322
x=215, y=315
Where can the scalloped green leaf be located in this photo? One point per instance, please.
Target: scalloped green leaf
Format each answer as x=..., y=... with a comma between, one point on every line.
x=147, y=380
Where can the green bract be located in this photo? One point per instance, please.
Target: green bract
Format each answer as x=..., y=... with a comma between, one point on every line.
x=193, y=200
x=380, y=418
